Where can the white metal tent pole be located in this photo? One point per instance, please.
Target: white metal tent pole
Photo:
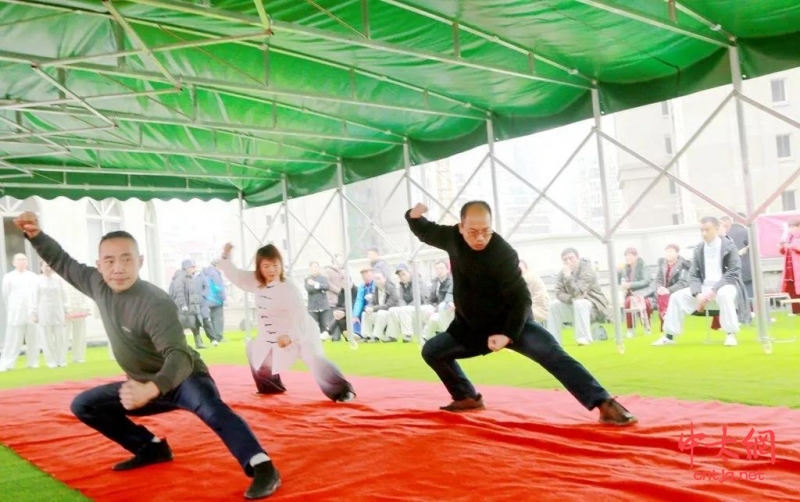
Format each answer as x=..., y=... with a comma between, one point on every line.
x=244, y=260
x=754, y=254
x=609, y=240
x=498, y=221
x=411, y=238
x=348, y=294
x=289, y=258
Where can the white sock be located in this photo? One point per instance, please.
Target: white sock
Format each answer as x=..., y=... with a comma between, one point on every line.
x=156, y=440
x=259, y=458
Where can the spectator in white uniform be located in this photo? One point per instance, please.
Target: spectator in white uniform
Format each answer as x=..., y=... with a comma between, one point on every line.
x=18, y=286
x=48, y=309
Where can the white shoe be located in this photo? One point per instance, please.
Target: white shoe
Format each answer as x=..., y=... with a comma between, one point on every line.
x=215, y=343
x=583, y=341
x=730, y=341
x=324, y=335
x=663, y=341
x=630, y=333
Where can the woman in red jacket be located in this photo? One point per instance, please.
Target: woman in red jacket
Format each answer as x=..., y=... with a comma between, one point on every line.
x=790, y=248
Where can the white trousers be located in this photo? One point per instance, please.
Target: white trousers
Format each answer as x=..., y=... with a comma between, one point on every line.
x=682, y=303
x=401, y=319
x=54, y=344
x=15, y=336
x=374, y=324
x=438, y=322
x=579, y=313
x=77, y=328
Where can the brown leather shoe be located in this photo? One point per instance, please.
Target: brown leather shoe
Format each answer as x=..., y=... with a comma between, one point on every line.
x=467, y=404
x=611, y=412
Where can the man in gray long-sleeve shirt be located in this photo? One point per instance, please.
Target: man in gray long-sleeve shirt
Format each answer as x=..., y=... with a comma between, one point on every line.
x=147, y=339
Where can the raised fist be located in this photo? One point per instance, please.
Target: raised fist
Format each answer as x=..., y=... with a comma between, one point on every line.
x=418, y=210
x=28, y=222
x=226, y=251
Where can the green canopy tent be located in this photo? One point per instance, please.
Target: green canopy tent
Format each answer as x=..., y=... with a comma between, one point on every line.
x=266, y=100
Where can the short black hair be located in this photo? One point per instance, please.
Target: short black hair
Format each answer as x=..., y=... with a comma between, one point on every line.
x=709, y=219
x=119, y=234
x=479, y=203
x=570, y=251
x=725, y=218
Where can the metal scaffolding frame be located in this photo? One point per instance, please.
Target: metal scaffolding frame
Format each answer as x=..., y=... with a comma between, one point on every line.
x=713, y=35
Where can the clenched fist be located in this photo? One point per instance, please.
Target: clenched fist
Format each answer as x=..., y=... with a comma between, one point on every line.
x=418, y=210
x=226, y=251
x=28, y=222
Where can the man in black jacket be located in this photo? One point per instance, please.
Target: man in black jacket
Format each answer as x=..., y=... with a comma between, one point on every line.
x=494, y=312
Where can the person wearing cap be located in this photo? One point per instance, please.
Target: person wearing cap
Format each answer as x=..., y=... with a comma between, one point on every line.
x=189, y=290
x=216, y=299
x=401, y=318
x=363, y=298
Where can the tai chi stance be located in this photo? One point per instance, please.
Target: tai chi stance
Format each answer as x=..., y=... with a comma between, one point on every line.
x=494, y=312
x=164, y=374
x=286, y=331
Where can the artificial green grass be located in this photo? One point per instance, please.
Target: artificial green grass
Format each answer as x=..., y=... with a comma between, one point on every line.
x=689, y=370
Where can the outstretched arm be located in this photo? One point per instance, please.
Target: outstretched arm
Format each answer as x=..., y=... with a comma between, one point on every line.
x=81, y=276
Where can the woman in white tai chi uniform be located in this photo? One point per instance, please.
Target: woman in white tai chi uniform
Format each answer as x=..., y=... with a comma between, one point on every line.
x=285, y=329
x=49, y=311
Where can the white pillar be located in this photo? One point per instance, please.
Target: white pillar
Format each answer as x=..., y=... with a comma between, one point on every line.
x=413, y=264
x=348, y=296
x=609, y=240
x=498, y=221
x=287, y=213
x=747, y=178
x=244, y=260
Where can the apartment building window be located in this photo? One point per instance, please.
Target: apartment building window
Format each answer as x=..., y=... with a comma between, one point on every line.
x=673, y=187
x=784, y=146
x=665, y=108
x=677, y=218
x=778, y=91
x=668, y=144
x=788, y=200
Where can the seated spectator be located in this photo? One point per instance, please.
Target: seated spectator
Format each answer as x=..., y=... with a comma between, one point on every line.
x=579, y=299
x=441, y=299
x=637, y=289
x=401, y=318
x=715, y=283
x=375, y=318
x=363, y=297
x=338, y=325
x=672, y=275
x=539, y=295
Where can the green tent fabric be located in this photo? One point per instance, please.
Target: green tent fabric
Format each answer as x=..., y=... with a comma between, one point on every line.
x=209, y=99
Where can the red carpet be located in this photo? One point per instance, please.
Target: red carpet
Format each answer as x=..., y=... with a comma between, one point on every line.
x=393, y=444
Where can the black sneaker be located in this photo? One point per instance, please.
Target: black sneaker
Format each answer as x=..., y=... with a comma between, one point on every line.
x=266, y=481
x=151, y=453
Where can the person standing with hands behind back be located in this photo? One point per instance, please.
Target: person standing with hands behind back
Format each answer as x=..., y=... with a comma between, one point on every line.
x=494, y=312
x=164, y=374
